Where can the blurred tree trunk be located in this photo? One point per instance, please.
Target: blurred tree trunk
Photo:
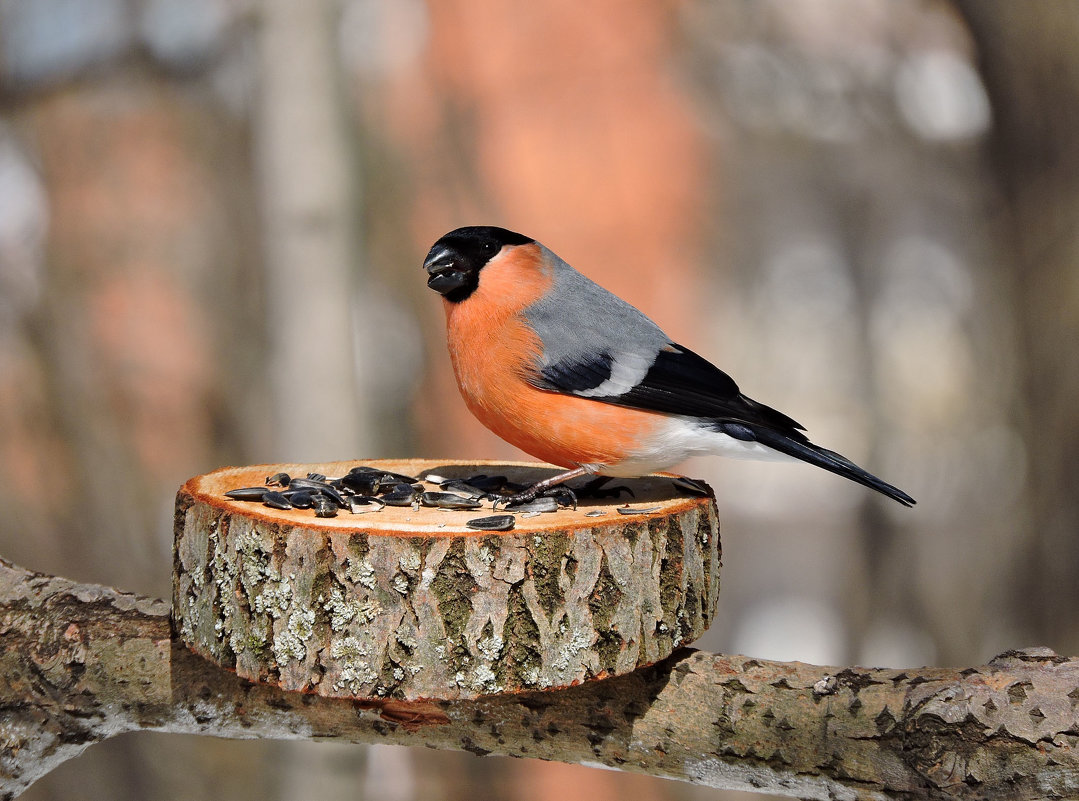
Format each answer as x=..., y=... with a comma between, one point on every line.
x=1030, y=65
x=148, y=198
x=309, y=185
x=308, y=181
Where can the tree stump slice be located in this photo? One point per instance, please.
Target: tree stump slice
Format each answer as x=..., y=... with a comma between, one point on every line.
x=410, y=604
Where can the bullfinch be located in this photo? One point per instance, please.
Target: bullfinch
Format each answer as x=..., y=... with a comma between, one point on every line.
x=573, y=375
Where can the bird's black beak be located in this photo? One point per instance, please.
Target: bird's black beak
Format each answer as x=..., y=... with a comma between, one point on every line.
x=446, y=270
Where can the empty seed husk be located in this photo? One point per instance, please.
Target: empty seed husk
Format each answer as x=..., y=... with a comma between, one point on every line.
x=626, y=510
x=543, y=504
x=463, y=488
x=278, y=480
x=362, y=504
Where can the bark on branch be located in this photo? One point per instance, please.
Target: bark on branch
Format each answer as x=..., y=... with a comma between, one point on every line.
x=80, y=663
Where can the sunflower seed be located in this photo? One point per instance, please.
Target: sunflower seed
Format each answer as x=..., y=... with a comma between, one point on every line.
x=321, y=487
x=302, y=498
x=448, y=500
x=247, y=494
x=400, y=478
x=492, y=523
x=275, y=500
x=324, y=507
x=400, y=495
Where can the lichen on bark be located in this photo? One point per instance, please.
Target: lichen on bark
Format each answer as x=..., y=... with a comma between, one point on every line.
x=373, y=614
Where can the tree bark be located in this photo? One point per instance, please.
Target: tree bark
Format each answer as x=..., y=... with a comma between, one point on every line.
x=409, y=603
x=80, y=663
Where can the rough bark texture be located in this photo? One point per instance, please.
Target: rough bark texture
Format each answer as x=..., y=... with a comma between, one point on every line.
x=410, y=604
x=80, y=663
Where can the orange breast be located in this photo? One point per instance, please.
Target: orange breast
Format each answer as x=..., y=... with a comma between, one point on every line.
x=492, y=348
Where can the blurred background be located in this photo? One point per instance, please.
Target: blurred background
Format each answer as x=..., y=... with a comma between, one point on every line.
x=212, y=215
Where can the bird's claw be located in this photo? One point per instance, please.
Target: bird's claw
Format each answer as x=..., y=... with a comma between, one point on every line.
x=564, y=496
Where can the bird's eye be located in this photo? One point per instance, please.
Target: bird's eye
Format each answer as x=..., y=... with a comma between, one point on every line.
x=490, y=247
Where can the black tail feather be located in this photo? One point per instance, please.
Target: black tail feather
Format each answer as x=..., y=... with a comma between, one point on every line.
x=829, y=460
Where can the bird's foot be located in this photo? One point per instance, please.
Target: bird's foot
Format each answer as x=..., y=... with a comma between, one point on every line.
x=562, y=495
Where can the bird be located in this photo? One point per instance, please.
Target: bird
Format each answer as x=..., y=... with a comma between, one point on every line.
x=575, y=376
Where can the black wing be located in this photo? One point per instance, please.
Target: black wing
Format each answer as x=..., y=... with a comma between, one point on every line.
x=677, y=382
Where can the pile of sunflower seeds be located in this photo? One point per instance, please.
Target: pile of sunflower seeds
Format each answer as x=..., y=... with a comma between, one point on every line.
x=369, y=489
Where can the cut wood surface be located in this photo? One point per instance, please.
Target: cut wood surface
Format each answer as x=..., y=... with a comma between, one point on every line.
x=409, y=603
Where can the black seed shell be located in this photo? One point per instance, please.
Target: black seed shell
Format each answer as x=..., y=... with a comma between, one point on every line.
x=492, y=523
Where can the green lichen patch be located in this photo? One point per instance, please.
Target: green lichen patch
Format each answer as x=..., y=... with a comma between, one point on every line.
x=632, y=532
x=454, y=586
x=390, y=677
x=605, y=597
x=609, y=645
x=522, y=658
x=548, y=552
x=671, y=567
x=691, y=615
x=358, y=568
x=354, y=670
x=290, y=642
x=342, y=608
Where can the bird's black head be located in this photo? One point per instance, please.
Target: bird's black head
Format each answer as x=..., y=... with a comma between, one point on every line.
x=454, y=261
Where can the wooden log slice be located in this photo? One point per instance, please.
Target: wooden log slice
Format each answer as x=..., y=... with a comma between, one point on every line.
x=410, y=604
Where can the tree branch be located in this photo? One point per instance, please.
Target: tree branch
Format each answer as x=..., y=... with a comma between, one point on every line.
x=80, y=663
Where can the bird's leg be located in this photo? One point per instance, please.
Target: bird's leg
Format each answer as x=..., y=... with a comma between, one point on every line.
x=524, y=496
